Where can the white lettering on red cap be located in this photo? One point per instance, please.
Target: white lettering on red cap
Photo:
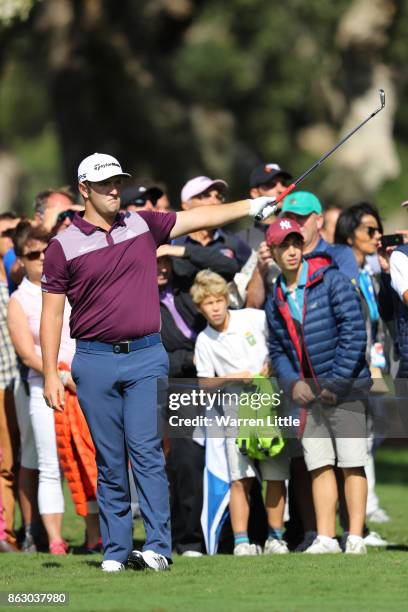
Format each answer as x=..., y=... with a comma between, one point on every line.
x=285, y=225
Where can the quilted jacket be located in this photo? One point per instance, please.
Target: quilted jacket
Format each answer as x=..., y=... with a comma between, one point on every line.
x=76, y=452
x=329, y=347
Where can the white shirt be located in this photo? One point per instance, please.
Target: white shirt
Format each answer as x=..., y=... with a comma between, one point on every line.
x=399, y=272
x=29, y=297
x=241, y=347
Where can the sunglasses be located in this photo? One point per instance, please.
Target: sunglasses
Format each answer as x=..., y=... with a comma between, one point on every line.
x=285, y=182
x=206, y=195
x=66, y=214
x=371, y=231
x=33, y=255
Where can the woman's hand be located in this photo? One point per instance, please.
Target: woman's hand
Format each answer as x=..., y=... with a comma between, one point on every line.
x=70, y=385
x=384, y=259
x=67, y=380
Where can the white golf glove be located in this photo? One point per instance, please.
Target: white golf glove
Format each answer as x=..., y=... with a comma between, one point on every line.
x=263, y=205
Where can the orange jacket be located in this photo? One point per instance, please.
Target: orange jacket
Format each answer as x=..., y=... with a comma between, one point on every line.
x=76, y=452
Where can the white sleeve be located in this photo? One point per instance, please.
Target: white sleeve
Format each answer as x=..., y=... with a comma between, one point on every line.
x=399, y=272
x=203, y=361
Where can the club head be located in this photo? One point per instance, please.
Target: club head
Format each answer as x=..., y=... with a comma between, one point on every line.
x=382, y=98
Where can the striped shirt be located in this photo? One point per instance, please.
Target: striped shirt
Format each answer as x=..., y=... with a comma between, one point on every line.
x=8, y=361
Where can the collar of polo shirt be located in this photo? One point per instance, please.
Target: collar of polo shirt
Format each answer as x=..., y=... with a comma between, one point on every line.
x=87, y=228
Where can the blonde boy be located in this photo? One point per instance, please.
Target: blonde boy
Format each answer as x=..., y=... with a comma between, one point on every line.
x=233, y=345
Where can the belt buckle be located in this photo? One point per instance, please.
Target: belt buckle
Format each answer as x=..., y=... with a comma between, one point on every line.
x=122, y=347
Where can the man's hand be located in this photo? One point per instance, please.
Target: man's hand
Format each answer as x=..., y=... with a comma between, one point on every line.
x=170, y=250
x=264, y=257
x=302, y=393
x=54, y=392
x=264, y=206
x=328, y=398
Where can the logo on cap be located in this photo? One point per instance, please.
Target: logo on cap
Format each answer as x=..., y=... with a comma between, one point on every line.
x=272, y=167
x=285, y=225
x=100, y=166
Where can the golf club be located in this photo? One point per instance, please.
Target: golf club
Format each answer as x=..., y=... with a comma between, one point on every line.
x=269, y=209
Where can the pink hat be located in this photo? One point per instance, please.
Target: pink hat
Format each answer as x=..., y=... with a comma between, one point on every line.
x=199, y=184
x=279, y=229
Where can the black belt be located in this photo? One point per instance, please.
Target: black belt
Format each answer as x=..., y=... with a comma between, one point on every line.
x=124, y=346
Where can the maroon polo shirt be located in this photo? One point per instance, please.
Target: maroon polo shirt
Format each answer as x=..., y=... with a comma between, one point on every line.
x=109, y=277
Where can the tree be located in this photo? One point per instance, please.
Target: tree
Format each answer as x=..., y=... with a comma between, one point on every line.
x=177, y=88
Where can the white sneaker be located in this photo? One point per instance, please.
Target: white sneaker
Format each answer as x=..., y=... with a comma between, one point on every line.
x=319, y=547
x=191, y=553
x=112, y=566
x=378, y=516
x=247, y=549
x=309, y=538
x=148, y=559
x=275, y=547
x=355, y=547
x=374, y=539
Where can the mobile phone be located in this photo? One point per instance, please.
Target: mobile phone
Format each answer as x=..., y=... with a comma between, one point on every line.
x=390, y=240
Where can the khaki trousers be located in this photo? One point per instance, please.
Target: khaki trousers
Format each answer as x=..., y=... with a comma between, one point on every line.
x=9, y=444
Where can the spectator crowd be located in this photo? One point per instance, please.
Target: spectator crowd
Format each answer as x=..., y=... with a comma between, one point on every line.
x=311, y=297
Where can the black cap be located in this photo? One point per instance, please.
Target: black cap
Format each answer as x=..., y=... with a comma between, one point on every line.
x=138, y=194
x=264, y=173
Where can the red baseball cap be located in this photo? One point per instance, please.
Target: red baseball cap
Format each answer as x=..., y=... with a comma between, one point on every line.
x=279, y=229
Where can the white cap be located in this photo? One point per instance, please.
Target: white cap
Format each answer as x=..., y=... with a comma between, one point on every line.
x=98, y=167
x=405, y=203
x=199, y=184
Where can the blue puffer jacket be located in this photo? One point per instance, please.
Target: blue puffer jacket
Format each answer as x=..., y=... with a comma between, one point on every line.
x=331, y=341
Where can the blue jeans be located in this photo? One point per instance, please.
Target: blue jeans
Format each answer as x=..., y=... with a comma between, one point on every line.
x=118, y=396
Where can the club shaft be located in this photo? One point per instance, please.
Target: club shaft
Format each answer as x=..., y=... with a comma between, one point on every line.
x=302, y=177
x=342, y=141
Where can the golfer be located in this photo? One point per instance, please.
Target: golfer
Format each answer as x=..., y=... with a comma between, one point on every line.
x=105, y=263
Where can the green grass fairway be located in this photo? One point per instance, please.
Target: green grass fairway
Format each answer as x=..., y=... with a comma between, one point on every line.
x=223, y=583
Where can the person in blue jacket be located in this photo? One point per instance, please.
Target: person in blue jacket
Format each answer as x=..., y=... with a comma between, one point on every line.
x=317, y=348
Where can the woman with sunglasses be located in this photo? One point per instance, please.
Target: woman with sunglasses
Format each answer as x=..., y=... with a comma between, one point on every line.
x=361, y=228
x=24, y=314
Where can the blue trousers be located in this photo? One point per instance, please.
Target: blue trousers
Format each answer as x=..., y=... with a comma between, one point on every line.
x=118, y=396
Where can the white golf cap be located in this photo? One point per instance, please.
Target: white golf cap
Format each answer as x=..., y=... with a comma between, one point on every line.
x=199, y=184
x=404, y=203
x=99, y=167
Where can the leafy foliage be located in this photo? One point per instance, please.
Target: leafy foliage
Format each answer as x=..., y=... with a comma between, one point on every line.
x=177, y=88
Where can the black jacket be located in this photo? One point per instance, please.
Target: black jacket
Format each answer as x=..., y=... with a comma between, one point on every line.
x=179, y=348
x=198, y=258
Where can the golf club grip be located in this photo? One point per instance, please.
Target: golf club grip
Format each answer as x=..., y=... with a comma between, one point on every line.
x=279, y=198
